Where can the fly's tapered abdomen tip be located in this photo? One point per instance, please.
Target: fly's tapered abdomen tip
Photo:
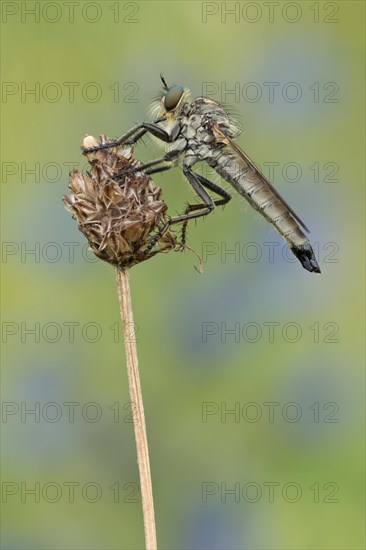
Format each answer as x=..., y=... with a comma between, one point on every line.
x=307, y=258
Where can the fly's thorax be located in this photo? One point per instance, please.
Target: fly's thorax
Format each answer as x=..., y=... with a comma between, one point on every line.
x=190, y=125
x=214, y=112
x=180, y=145
x=201, y=150
x=199, y=139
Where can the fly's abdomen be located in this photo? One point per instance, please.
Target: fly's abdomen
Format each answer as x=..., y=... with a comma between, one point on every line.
x=264, y=199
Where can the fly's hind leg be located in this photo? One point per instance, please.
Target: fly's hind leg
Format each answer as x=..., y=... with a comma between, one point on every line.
x=225, y=198
x=194, y=211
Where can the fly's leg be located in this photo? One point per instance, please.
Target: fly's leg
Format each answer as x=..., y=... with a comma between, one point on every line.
x=226, y=197
x=201, y=209
x=128, y=138
x=168, y=157
x=158, y=169
x=136, y=133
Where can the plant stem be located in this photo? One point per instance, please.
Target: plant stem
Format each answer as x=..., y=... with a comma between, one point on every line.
x=124, y=296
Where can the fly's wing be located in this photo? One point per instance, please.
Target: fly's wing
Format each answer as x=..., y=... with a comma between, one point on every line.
x=225, y=138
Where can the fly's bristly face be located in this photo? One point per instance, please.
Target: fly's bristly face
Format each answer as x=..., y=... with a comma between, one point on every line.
x=170, y=102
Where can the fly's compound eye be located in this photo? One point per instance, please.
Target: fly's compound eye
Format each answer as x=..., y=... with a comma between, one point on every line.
x=172, y=97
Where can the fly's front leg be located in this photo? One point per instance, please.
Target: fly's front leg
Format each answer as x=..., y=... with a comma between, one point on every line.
x=136, y=133
x=128, y=138
x=225, y=198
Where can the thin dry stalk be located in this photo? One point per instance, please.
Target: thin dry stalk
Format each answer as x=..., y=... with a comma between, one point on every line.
x=124, y=296
x=121, y=212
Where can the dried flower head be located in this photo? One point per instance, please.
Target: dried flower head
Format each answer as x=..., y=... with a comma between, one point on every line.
x=121, y=217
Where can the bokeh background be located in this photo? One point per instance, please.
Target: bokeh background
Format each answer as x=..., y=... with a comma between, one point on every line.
x=285, y=469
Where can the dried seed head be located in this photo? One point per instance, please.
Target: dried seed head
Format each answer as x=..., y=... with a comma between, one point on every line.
x=118, y=217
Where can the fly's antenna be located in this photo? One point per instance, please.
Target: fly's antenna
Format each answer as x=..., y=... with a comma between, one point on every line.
x=163, y=81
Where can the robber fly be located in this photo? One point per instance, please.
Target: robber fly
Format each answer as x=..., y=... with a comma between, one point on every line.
x=203, y=130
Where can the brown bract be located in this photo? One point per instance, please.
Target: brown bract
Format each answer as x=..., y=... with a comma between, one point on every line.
x=118, y=217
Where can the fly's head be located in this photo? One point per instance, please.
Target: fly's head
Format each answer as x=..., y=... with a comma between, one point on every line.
x=168, y=105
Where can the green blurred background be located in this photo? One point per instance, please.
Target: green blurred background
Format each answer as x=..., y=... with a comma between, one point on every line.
x=298, y=397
